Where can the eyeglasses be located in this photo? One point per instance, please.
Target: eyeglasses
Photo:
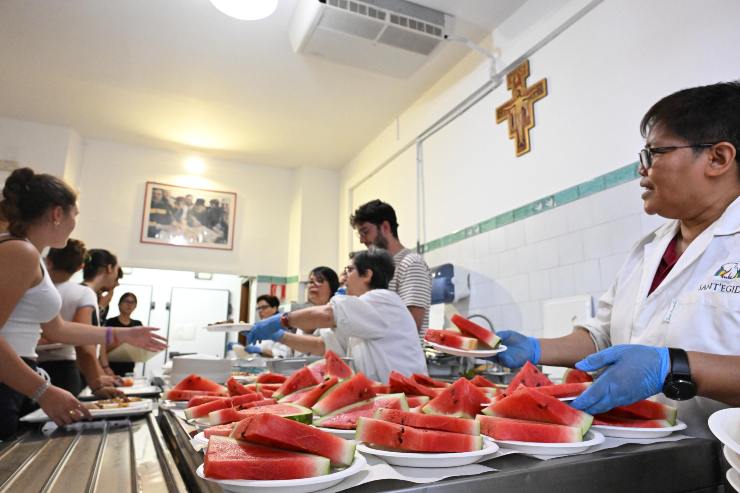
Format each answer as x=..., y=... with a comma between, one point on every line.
x=262, y=307
x=349, y=269
x=647, y=153
x=316, y=281
x=129, y=302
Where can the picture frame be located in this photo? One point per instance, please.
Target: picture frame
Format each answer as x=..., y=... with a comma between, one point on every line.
x=188, y=217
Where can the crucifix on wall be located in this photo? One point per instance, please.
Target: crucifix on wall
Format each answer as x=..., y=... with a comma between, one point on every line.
x=519, y=110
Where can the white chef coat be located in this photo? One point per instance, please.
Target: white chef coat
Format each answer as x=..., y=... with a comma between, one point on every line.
x=378, y=332
x=696, y=307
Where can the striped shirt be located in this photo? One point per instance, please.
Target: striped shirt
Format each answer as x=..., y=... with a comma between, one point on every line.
x=412, y=281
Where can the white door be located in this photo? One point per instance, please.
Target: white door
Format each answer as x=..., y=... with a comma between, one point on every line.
x=191, y=310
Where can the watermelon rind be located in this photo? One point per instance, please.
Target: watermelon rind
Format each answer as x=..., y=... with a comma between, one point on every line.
x=300, y=379
x=528, y=431
x=400, y=398
x=451, y=339
x=391, y=435
x=481, y=333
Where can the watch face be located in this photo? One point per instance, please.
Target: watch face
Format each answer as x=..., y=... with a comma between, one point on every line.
x=679, y=390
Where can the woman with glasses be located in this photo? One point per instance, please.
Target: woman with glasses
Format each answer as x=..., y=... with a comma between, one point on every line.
x=371, y=324
x=670, y=323
x=126, y=306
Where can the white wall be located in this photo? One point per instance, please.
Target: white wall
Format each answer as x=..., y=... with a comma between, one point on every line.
x=42, y=147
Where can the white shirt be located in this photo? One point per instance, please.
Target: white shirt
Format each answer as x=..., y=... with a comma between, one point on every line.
x=74, y=296
x=378, y=332
x=695, y=308
x=39, y=304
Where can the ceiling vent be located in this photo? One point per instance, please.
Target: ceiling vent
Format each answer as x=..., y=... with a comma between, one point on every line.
x=392, y=37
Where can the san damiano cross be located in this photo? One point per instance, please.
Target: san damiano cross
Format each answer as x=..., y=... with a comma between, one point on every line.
x=519, y=110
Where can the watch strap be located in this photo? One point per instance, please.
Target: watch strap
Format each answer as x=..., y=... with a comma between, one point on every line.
x=680, y=368
x=284, y=321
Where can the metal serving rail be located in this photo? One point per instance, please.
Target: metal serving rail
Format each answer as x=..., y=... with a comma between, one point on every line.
x=685, y=465
x=103, y=456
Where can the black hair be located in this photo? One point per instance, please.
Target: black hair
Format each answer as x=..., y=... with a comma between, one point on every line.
x=375, y=212
x=271, y=300
x=97, y=259
x=327, y=274
x=28, y=195
x=378, y=261
x=699, y=115
x=120, y=273
x=67, y=259
x=127, y=295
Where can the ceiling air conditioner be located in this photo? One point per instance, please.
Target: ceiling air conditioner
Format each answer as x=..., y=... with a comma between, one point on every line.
x=392, y=37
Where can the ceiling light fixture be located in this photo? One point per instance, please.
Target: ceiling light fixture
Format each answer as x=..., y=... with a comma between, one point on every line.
x=246, y=10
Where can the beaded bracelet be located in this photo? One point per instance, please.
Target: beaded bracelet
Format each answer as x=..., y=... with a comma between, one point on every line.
x=40, y=391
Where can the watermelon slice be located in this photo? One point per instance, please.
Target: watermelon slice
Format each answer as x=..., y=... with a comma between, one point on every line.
x=202, y=399
x=346, y=417
x=227, y=458
x=529, y=376
x=400, y=383
x=645, y=409
x=428, y=381
x=606, y=419
x=240, y=400
x=236, y=388
x=462, y=399
x=335, y=367
x=480, y=381
x=355, y=389
x=311, y=395
x=451, y=339
x=417, y=400
x=382, y=388
x=289, y=411
x=429, y=422
x=219, y=430
x=573, y=375
x=271, y=378
x=527, y=431
x=400, y=437
x=259, y=403
x=196, y=382
x=564, y=389
x=272, y=430
x=528, y=404
x=300, y=379
x=186, y=395
x=204, y=409
x=484, y=335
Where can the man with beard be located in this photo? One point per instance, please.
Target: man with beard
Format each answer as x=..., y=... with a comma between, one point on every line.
x=376, y=226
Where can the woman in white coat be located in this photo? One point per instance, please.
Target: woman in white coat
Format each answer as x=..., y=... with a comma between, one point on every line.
x=671, y=321
x=370, y=324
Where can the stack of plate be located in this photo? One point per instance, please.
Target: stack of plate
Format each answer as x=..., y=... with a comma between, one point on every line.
x=725, y=425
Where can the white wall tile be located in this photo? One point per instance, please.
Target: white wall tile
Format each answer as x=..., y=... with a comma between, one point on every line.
x=526, y=259
x=570, y=248
x=609, y=266
x=546, y=225
x=649, y=223
x=578, y=215
x=517, y=287
x=510, y=317
x=497, y=240
x=514, y=234
x=531, y=312
x=587, y=277
x=480, y=246
x=562, y=281
x=546, y=254
x=539, y=286
x=508, y=263
x=615, y=203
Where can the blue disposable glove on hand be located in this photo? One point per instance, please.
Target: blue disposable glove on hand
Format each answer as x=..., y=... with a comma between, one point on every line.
x=519, y=349
x=254, y=349
x=634, y=373
x=269, y=328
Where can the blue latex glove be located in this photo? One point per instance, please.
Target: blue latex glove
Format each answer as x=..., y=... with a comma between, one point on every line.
x=253, y=349
x=519, y=349
x=341, y=291
x=634, y=373
x=269, y=328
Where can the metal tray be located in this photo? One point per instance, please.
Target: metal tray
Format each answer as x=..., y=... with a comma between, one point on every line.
x=287, y=366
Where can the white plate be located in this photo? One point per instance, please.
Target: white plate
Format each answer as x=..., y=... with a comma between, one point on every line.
x=135, y=409
x=732, y=457
x=200, y=423
x=429, y=459
x=348, y=434
x=174, y=404
x=49, y=347
x=478, y=353
x=634, y=432
x=135, y=390
x=733, y=477
x=199, y=439
x=306, y=485
x=725, y=425
x=234, y=327
x=592, y=438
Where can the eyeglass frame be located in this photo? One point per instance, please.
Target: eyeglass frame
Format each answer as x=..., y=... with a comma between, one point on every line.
x=263, y=307
x=646, y=153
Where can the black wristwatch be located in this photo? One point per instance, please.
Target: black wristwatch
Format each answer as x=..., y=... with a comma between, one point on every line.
x=678, y=384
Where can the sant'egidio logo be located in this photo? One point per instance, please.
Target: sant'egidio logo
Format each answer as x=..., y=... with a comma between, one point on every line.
x=730, y=270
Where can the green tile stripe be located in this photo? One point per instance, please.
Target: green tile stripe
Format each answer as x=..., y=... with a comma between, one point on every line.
x=277, y=279
x=599, y=184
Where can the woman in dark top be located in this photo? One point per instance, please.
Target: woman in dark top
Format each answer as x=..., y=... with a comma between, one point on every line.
x=126, y=306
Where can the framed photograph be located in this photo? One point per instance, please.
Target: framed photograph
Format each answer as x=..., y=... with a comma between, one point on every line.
x=188, y=217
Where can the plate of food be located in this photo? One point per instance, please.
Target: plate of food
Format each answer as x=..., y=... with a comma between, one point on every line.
x=590, y=439
x=199, y=440
x=229, y=327
x=305, y=485
x=430, y=459
x=478, y=353
x=638, y=432
x=107, y=408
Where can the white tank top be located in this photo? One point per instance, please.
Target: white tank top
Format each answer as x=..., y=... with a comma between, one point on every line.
x=38, y=305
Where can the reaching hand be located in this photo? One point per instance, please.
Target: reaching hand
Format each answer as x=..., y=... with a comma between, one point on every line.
x=269, y=328
x=61, y=406
x=143, y=337
x=634, y=373
x=254, y=349
x=519, y=349
x=108, y=392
